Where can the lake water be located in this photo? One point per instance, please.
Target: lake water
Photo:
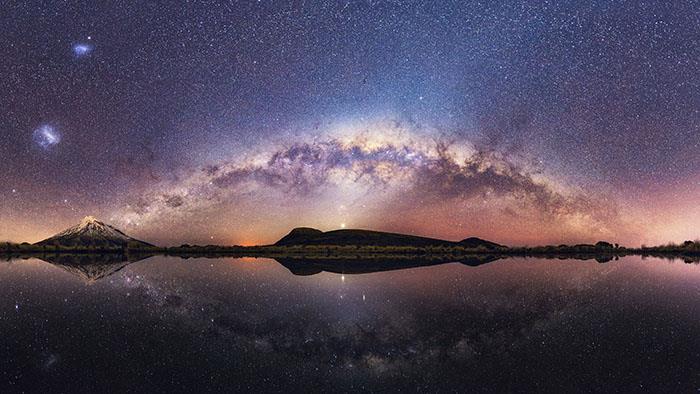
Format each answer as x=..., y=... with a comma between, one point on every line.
x=167, y=324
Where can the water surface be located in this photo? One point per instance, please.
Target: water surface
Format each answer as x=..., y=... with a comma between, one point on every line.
x=167, y=324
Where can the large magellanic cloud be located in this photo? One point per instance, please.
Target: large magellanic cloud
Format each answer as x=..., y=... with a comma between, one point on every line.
x=387, y=176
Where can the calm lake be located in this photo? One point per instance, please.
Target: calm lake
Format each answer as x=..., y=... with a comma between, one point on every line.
x=167, y=325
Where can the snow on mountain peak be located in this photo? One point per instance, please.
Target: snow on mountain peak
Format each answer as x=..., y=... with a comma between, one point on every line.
x=91, y=227
x=88, y=220
x=91, y=230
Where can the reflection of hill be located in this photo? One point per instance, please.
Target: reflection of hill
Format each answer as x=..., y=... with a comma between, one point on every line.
x=303, y=260
x=91, y=267
x=312, y=266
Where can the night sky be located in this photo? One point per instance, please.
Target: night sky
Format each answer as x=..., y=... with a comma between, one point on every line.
x=524, y=123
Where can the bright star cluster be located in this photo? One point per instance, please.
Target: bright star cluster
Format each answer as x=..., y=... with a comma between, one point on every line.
x=525, y=122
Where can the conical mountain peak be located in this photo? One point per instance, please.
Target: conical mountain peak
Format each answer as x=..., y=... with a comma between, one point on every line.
x=91, y=232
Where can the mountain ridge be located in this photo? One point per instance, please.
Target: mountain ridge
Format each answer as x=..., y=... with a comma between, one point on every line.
x=311, y=236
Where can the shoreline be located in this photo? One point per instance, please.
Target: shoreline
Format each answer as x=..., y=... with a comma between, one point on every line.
x=356, y=252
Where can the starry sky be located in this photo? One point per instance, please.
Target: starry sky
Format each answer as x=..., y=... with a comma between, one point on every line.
x=232, y=122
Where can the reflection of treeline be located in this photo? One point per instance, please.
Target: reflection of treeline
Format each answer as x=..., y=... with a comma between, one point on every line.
x=331, y=250
x=689, y=251
x=95, y=247
x=604, y=249
x=601, y=247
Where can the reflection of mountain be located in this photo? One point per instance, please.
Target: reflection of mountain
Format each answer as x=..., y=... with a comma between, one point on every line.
x=91, y=267
x=312, y=266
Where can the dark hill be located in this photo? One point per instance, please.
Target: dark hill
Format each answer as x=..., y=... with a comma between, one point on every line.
x=299, y=235
x=474, y=242
x=310, y=236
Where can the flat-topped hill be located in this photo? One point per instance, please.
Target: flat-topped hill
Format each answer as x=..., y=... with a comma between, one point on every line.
x=310, y=236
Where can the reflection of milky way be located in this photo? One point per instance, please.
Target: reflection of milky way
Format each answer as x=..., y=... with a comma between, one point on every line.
x=534, y=318
x=380, y=346
x=518, y=325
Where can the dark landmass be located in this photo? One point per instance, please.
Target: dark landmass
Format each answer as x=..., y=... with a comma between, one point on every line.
x=93, y=250
x=310, y=250
x=310, y=236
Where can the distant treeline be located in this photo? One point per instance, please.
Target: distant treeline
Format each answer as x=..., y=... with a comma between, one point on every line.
x=689, y=248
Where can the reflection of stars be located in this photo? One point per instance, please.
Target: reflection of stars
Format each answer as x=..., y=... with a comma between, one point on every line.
x=46, y=136
x=80, y=50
